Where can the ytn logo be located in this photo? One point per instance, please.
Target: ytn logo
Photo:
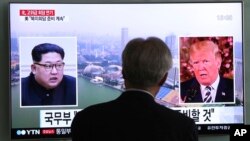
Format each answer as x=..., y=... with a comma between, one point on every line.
x=28, y=132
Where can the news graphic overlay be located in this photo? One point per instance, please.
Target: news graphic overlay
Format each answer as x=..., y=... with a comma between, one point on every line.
x=49, y=79
x=207, y=70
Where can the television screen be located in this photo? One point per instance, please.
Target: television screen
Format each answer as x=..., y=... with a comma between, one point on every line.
x=84, y=67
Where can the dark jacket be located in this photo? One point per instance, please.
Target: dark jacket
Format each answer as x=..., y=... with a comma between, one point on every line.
x=134, y=116
x=33, y=94
x=191, y=93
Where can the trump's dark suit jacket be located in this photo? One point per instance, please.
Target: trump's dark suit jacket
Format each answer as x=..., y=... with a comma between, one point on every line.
x=134, y=116
x=191, y=93
x=34, y=94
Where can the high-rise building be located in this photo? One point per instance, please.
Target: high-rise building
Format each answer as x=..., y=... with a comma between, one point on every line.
x=171, y=41
x=124, y=37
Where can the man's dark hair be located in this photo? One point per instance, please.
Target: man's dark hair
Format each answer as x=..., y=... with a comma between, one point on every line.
x=44, y=48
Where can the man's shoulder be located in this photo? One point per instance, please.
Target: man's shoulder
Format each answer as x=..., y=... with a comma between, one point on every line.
x=99, y=109
x=69, y=78
x=175, y=114
x=189, y=82
x=227, y=80
x=25, y=80
x=69, y=82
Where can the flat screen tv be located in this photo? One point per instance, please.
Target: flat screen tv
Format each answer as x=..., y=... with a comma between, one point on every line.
x=93, y=37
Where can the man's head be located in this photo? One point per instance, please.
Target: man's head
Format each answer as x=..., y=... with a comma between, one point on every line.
x=145, y=62
x=206, y=60
x=48, y=64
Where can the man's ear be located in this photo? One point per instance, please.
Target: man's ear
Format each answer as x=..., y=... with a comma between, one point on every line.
x=123, y=75
x=33, y=69
x=163, y=79
x=219, y=61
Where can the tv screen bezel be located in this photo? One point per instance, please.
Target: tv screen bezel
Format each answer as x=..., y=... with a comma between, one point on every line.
x=13, y=133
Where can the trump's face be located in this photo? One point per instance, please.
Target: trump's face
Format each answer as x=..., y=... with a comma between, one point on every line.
x=205, y=66
x=49, y=71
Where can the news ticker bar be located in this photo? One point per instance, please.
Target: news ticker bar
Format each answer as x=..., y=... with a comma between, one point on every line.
x=236, y=132
x=201, y=115
x=31, y=133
